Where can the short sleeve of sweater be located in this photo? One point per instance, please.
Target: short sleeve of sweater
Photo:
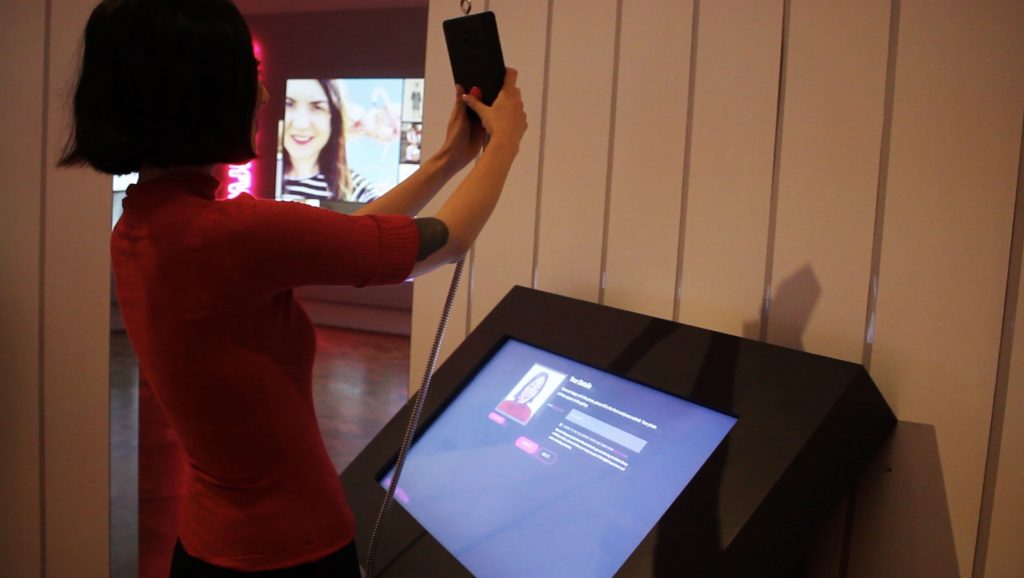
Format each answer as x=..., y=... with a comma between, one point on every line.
x=287, y=244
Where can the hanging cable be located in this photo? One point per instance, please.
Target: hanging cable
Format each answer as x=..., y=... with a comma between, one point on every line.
x=414, y=419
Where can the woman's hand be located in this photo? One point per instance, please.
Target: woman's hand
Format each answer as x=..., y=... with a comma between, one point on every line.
x=467, y=208
x=505, y=120
x=463, y=140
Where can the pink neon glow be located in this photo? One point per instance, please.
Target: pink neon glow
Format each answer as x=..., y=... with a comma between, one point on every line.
x=239, y=177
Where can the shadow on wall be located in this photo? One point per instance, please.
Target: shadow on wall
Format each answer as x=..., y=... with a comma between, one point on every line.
x=696, y=532
x=791, y=308
x=900, y=513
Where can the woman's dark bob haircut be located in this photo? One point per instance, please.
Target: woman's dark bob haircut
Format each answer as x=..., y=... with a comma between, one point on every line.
x=164, y=83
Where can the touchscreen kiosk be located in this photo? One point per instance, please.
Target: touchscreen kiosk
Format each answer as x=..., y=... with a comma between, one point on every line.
x=564, y=438
x=575, y=465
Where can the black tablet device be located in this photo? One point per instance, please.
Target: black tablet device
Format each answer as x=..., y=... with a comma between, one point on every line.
x=474, y=50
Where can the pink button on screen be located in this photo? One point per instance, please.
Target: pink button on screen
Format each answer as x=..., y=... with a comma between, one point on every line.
x=527, y=445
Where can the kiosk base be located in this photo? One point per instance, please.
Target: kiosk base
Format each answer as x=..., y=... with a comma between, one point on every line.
x=564, y=438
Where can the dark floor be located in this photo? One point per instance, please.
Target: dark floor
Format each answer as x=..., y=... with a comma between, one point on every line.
x=359, y=381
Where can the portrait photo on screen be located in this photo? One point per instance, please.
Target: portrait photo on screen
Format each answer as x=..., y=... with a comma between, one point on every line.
x=529, y=395
x=343, y=142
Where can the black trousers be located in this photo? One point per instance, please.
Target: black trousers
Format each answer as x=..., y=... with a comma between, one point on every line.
x=341, y=564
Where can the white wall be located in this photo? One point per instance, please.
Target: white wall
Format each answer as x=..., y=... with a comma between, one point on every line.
x=839, y=177
x=54, y=332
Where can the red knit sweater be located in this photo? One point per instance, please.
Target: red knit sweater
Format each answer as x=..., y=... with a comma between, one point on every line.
x=205, y=292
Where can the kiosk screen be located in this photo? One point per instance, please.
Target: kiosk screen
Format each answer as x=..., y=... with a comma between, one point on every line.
x=542, y=466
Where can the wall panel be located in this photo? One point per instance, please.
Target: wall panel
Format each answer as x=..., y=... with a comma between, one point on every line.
x=827, y=179
x=429, y=291
x=948, y=211
x=1004, y=556
x=950, y=158
x=76, y=325
x=21, y=74
x=577, y=130
x=503, y=254
x=828, y=175
x=901, y=521
x=647, y=162
x=731, y=161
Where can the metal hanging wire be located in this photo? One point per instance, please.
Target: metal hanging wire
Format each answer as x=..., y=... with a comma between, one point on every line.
x=414, y=420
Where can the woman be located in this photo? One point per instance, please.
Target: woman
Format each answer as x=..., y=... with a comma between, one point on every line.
x=313, y=141
x=169, y=88
x=518, y=407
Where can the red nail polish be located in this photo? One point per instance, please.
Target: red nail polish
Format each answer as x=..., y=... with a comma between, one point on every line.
x=475, y=91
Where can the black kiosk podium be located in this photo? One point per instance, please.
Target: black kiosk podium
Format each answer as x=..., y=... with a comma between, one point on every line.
x=568, y=439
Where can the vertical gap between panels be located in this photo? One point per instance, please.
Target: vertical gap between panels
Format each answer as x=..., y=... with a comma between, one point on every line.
x=470, y=269
x=45, y=127
x=773, y=203
x=543, y=147
x=1002, y=374
x=684, y=196
x=883, y=183
x=611, y=151
x=876, y=243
